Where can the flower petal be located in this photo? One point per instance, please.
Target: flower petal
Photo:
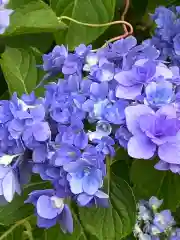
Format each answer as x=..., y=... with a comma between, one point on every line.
x=45, y=208
x=92, y=182
x=66, y=220
x=141, y=147
x=170, y=152
x=76, y=185
x=83, y=199
x=101, y=194
x=9, y=186
x=45, y=223
x=162, y=166
x=133, y=113
x=128, y=92
x=125, y=78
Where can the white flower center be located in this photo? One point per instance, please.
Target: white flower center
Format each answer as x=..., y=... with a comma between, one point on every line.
x=57, y=202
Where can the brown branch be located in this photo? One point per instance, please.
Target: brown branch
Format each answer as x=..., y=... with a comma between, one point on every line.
x=127, y=3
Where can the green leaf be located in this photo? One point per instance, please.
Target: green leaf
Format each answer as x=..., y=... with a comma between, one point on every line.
x=121, y=169
x=13, y=4
x=15, y=232
x=117, y=221
x=150, y=182
x=19, y=69
x=34, y=17
x=17, y=209
x=27, y=229
x=5, y=95
x=55, y=233
x=41, y=41
x=101, y=11
x=139, y=7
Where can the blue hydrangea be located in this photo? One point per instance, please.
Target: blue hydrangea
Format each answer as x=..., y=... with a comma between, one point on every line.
x=51, y=209
x=122, y=95
x=166, y=37
x=154, y=224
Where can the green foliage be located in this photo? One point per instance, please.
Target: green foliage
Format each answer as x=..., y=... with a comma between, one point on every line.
x=17, y=210
x=149, y=182
x=13, y=4
x=19, y=68
x=101, y=11
x=41, y=41
x=117, y=221
x=32, y=18
x=121, y=169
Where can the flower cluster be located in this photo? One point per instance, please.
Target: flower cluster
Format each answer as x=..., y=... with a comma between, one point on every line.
x=121, y=95
x=4, y=15
x=167, y=35
x=153, y=224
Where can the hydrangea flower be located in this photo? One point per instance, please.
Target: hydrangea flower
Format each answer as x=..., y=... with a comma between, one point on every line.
x=163, y=220
x=159, y=93
x=123, y=94
x=166, y=37
x=84, y=177
x=51, y=209
x=131, y=82
x=152, y=130
x=154, y=224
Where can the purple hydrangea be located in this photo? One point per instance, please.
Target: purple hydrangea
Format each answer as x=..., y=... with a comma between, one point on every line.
x=51, y=209
x=153, y=131
x=84, y=177
x=122, y=94
x=154, y=224
x=131, y=82
x=163, y=220
x=166, y=37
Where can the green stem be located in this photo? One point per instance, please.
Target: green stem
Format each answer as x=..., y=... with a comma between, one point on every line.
x=21, y=222
x=95, y=24
x=28, y=231
x=108, y=169
x=79, y=222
